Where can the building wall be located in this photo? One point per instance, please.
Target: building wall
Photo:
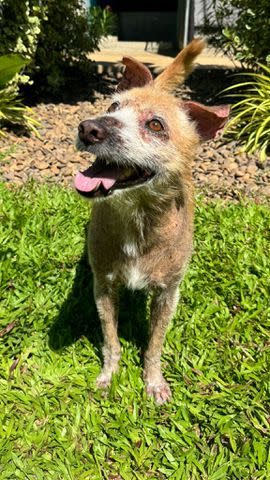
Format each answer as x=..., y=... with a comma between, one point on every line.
x=201, y=7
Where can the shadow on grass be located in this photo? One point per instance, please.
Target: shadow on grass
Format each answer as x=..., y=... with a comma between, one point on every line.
x=78, y=315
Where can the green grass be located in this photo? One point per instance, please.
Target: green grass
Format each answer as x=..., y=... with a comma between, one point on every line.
x=54, y=423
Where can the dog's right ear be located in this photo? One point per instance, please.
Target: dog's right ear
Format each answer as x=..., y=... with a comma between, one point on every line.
x=135, y=75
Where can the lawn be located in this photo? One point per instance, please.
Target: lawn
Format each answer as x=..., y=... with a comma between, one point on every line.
x=55, y=424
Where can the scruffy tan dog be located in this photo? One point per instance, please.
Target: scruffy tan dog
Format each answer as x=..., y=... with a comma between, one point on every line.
x=140, y=233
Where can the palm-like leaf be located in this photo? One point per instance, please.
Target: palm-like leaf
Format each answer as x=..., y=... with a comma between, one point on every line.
x=12, y=109
x=251, y=122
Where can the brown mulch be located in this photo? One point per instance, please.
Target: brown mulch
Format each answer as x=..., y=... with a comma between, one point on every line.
x=220, y=170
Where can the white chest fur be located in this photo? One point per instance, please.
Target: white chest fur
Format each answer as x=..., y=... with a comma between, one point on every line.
x=130, y=249
x=135, y=279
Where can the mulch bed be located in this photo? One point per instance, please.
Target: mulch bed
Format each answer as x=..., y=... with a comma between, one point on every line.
x=220, y=170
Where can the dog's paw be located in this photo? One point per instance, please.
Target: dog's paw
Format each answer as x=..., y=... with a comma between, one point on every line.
x=160, y=391
x=103, y=380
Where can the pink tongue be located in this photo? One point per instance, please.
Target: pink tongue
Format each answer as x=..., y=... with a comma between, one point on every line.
x=94, y=176
x=87, y=184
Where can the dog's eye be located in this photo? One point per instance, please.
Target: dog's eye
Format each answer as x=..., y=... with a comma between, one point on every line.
x=155, y=125
x=114, y=106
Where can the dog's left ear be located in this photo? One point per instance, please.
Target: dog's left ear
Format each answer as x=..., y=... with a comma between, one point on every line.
x=181, y=67
x=135, y=75
x=209, y=120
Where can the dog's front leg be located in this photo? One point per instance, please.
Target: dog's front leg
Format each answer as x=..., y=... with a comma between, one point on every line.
x=162, y=308
x=106, y=297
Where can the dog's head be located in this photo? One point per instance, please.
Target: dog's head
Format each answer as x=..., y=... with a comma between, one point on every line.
x=147, y=136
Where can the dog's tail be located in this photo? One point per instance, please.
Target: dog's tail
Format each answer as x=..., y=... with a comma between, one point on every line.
x=181, y=67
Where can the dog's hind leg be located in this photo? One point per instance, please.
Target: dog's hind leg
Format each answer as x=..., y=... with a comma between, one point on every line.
x=162, y=309
x=106, y=297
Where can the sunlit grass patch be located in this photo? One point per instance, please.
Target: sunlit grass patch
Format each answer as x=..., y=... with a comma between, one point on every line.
x=55, y=424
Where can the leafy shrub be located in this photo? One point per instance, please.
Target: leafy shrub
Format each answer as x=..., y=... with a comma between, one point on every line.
x=11, y=108
x=55, y=34
x=20, y=22
x=241, y=28
x=251, y=124
x=64, y=41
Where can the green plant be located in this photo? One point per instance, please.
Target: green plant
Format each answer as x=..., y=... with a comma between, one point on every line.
x=12, y=109
x=64, y=42
x=20, y=22
x=251, y=123
x=53, y=34
x=241, y=28
x=10, y=65
x=102, y=22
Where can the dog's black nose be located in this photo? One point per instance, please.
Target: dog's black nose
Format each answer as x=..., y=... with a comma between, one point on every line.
x=91, y=132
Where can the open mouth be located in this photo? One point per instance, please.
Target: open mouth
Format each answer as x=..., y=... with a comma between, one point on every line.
x=103, y=177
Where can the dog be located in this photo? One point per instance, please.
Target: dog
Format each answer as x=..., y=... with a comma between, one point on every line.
x=141, y=228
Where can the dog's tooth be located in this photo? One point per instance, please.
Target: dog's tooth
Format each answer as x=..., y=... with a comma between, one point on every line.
x=96, y=187
x=126, y=173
